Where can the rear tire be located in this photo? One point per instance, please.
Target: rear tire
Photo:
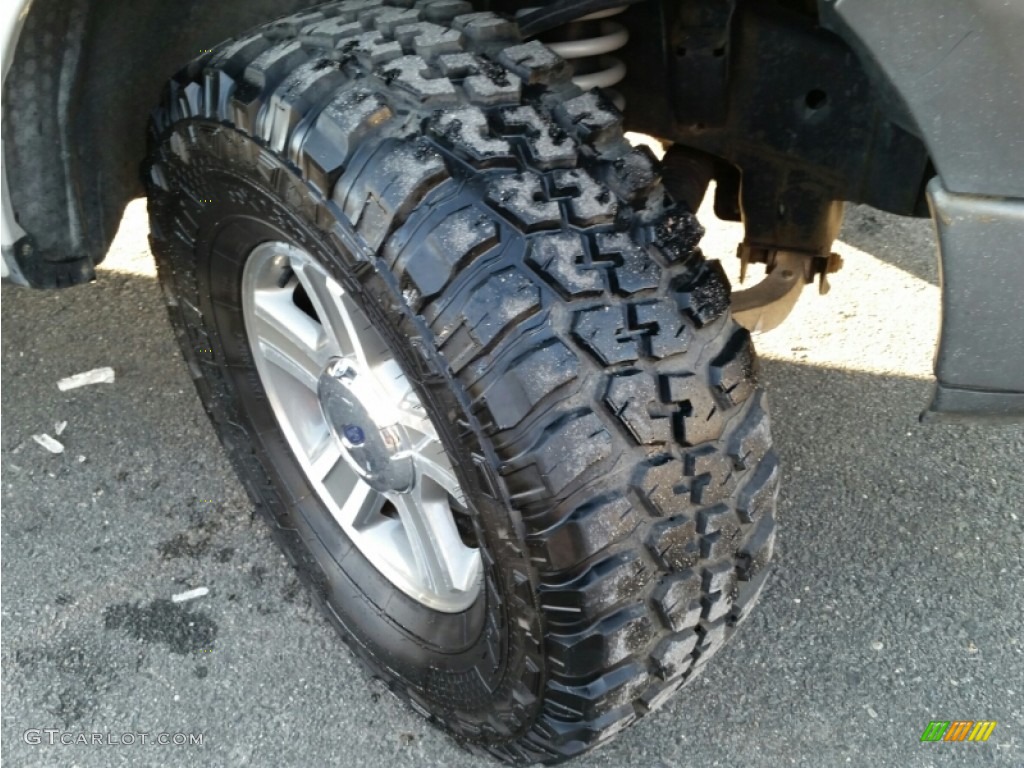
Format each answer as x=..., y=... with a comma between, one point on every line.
x=560, y=327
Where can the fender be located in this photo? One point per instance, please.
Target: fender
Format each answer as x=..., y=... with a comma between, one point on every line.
x=953, y=72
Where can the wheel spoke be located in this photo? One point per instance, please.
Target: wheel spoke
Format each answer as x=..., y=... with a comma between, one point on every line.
x=287, y=336
x=340, y=332
x=324, y=457
x=432, y=462
x=434, y=539
x=408, y=410
x=362, y=506
x=413, y=416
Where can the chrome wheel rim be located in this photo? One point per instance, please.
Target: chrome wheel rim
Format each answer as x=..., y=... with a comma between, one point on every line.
x=357, y=427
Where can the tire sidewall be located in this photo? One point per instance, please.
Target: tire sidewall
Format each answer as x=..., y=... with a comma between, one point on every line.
x=456, y=661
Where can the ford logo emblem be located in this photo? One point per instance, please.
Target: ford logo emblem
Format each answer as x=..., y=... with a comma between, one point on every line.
x=353, y=434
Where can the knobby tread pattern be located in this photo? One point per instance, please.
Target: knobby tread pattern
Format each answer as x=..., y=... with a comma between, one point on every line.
x=565, y=293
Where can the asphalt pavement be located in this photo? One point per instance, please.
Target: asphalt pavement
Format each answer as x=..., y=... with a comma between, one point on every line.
x=896, y=597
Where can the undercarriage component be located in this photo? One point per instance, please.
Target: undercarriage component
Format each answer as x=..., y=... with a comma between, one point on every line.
x=795, y=248
x=587, y=43
x=537, y=21
x=789, y=267
x=686, y=174
x=785, y=116
x=699, y=61
x=786, y=103
x=767, y=304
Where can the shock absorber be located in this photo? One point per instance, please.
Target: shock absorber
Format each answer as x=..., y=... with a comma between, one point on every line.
x=588, y=43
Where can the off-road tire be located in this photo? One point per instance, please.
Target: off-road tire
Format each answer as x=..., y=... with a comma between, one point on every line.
x=563, y=329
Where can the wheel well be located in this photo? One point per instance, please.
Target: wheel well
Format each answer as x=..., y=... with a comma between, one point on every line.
x=85, y=75
x=785, y=113
x=83, y=80
x=762, y=87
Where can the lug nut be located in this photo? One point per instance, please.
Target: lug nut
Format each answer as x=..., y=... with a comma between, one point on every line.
x=342, y=369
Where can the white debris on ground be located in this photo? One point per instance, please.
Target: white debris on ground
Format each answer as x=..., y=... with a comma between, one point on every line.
x=59, y=427
x=191, y=594
x=53, y=446
x=104, y=375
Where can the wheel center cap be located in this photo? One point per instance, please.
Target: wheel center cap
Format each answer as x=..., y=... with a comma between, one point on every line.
x=346, y=394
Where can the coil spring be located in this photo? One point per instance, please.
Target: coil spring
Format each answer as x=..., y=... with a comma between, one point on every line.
x=587, y=43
